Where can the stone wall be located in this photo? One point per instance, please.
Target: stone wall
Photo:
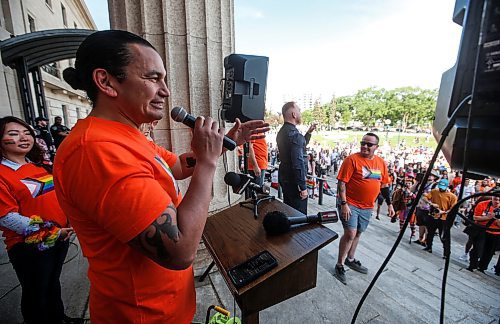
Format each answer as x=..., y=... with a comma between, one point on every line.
x=193, y=37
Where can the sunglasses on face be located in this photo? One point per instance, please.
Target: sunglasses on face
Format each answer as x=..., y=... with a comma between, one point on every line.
x=367, y=144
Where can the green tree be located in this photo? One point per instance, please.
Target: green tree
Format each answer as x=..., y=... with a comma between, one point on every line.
x=413, y=106
x=307, y=117
x=370, y=105
x=345, y=108
x=272, y=118
x=404, y=106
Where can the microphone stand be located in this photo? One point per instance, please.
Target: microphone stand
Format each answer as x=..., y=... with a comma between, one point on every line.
x=246, y=154
x=254, y=201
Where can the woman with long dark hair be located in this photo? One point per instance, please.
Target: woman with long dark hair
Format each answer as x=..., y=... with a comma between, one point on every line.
x=34, y=226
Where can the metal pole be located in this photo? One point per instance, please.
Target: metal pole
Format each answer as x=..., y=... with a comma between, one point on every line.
x=25, y=89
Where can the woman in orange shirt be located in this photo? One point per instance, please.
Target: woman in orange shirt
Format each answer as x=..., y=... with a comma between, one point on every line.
x=34, y=226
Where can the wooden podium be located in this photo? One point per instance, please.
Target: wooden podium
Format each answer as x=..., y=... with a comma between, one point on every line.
x=234, y=235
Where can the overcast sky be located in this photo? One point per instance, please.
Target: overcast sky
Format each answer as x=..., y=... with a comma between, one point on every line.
x=328, y=47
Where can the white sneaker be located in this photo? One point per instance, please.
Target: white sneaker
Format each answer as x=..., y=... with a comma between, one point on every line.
x=464, y=257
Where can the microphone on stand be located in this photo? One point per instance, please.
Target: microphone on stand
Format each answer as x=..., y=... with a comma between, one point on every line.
x=180, y=115
x=276, y=222
x=239, y=182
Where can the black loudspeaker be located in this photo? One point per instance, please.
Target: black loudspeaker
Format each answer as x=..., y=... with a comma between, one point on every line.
x=476, y=73
x=245, y=87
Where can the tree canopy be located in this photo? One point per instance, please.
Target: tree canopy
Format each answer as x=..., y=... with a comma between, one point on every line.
x=400, y=107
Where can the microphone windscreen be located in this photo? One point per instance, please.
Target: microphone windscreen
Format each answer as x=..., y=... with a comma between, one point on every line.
x=232, y=179
x=276, y=222
x=178, y=114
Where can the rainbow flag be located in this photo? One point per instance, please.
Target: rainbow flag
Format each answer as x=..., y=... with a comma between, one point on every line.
x=371, y=174
x=39, y=186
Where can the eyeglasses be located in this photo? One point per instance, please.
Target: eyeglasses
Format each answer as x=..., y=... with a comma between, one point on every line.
x=367, y=144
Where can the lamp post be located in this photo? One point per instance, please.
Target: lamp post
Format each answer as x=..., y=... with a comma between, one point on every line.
x=387, y=123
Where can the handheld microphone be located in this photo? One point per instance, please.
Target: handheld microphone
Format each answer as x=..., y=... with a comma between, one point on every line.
x=180, y=115
x=239, y=182
x=276, y=222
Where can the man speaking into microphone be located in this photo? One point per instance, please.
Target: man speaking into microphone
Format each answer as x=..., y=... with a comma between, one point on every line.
x=119, y=190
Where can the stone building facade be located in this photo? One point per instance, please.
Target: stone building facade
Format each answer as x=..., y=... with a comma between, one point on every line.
x=20, y=17
x=193, y=37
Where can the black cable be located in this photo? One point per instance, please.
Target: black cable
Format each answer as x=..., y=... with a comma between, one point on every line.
x=447, y=241
x=69, y=260
x=449, y=223
x=8, y=292
x=76, y=254
x=455, y=208
x=234, y=310
x=223, y=123
x=450, y=219
x=444, y=134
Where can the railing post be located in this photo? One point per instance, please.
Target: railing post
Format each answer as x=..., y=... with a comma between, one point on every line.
x=320, y=189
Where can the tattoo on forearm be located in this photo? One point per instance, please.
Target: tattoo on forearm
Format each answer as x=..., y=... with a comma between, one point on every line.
x=341, y=186
x=164, y=225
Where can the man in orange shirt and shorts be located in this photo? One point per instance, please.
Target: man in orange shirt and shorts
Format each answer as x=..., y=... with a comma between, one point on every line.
x=360, y=179
x=120, y=192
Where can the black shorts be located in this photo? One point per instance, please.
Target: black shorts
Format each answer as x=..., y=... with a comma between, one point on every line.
x=422, y=217
x=380, y=199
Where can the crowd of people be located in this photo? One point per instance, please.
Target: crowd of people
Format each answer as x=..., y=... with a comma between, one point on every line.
x=406, y=167
x=117, y=190
x=49, y=138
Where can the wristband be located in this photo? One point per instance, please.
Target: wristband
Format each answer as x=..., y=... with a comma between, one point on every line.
x=385, y=193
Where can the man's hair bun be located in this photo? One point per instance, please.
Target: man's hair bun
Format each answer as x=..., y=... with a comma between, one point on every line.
x=71, y=76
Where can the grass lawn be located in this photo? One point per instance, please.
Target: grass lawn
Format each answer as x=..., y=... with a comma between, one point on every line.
x=333, y=138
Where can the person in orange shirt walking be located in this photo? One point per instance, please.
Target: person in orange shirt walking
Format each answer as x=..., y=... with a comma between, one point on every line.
x=258, y=160
x=139, y=233
x=360, y=179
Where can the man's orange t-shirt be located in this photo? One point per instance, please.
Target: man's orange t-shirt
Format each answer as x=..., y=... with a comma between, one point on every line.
x=260, y=150
x=363, y=178
x=113, y=184
x=28, y=191
x=480, y=210
x=445, y=200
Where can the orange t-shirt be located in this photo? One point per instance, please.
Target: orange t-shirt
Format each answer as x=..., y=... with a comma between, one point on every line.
x=456, y=181
x=480, y=210
x=28, y=191
x=363, y=178
x=260, y=150
x=114, y=183
x=445, y=200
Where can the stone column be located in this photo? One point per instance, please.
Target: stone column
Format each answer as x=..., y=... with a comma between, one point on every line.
x=193, y=37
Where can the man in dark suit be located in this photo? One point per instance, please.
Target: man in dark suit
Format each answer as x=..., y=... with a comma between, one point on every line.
x=292, y=153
